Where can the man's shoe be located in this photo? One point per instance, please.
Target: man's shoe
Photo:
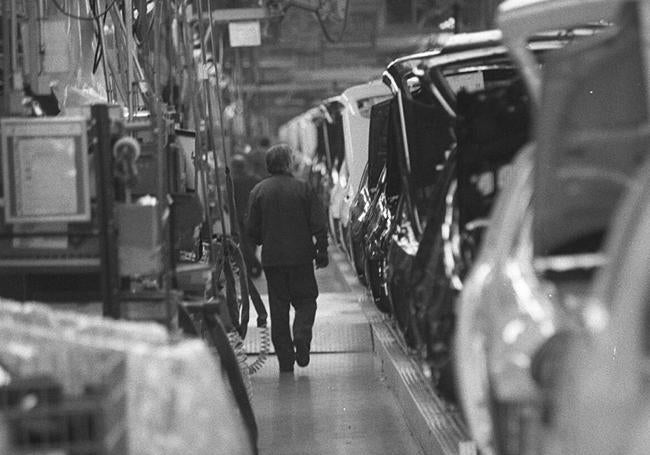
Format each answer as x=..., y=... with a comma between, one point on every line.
x=302, y=352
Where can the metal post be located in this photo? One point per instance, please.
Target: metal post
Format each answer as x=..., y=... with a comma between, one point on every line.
x=163, y=174
x=110, y=96
x=34, y=40
x=103, y=154
x=328, y=152
x=6, y=50
x=211, y=139
x=14, y=44
x=128, y=18
x=200, y=154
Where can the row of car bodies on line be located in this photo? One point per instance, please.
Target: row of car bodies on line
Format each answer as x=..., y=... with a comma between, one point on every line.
x=502, y=219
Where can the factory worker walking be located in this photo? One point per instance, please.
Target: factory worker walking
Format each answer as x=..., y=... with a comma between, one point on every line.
x=286, y=217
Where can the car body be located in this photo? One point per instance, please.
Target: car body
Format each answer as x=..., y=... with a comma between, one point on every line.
x=318, y=175
x=543, y=245
x=601, y=402
x=334, y=143
x=426, y=257
x=380, y=213
x=380, y=217
x=493, y=122
x=393, y=196
x=357, y=103
x=362, y=201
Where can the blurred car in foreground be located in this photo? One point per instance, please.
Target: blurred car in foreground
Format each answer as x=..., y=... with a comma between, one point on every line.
x=601, y=401
x=523, y=295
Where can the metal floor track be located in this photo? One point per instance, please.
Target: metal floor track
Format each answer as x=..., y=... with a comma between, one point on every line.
x=437, y=425
x=357, y=358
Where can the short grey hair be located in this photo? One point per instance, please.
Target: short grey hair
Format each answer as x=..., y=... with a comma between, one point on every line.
x=279, y=159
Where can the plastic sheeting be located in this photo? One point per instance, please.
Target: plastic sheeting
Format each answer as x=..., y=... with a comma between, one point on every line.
x=308, y=138
x=178, y=399
x=69, y=50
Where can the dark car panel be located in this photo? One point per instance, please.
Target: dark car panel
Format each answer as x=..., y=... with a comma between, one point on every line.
x=430, y=138
x=335, y=146
x=492, y=124
x=360, y=207
x=381, y=216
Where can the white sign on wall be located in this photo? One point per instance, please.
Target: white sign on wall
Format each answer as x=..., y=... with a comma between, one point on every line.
x=245, y=34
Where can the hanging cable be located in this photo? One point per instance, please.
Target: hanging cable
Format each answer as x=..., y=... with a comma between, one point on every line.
x=229, y=187
x=248, y=287
x=321, y=20
x=323, y=26
x=139, y=40
x=93, y=17
x=200, y=156
x=100, y=54
x=218, y=91
x=211, y=141
x=99, y=50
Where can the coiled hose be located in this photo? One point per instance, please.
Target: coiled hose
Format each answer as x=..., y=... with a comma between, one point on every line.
x=240, y=352
x=265, y=348
x=247, y=369
x=249, y=290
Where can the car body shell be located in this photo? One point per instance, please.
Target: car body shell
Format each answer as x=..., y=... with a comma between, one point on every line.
x=363, y=200
x=511, y=312
x=357, y=101
x=602, y=403
x=423, y=280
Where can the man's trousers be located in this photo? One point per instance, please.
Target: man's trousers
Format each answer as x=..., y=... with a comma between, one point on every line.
x=295, y=286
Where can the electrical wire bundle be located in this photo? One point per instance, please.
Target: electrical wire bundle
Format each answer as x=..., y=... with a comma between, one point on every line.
x=227, y=257
x=322, y=20
x=93, y=5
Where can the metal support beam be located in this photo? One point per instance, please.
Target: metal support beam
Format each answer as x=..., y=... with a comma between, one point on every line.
x=292, y=87
x=6, y=52
x=103, y=155
x=33, y=41
x=239, y=14
x=14, y=46
x=128, y=17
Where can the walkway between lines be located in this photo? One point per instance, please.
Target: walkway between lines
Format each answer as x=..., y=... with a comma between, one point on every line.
x=339, y=403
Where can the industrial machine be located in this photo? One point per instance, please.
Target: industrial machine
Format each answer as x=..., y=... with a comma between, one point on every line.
x=116, y=186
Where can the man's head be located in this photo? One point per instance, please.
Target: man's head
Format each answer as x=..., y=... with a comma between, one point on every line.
x=264, y=142
x=278, y=159
x=238, y=164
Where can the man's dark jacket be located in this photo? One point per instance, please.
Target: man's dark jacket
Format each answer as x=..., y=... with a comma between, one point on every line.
x=283, y=215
